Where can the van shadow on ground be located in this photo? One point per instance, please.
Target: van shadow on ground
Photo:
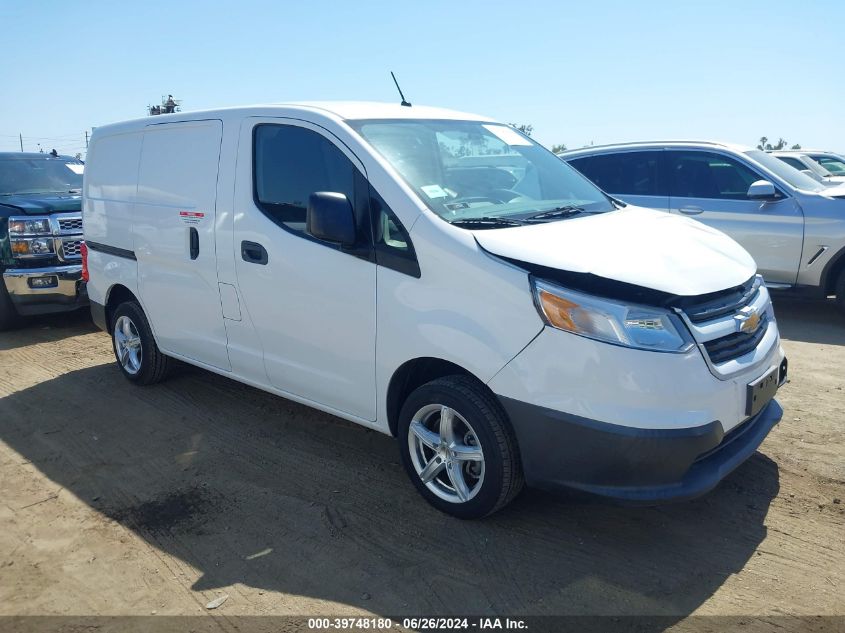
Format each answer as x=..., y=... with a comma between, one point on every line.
x=249, y=488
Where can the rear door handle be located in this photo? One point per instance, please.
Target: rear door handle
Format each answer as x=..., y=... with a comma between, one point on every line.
x=691, y=210
x=253, y=253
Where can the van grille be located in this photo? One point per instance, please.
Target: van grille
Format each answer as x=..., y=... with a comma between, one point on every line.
x=735, y=345
x=716, y=321
x=716, y=304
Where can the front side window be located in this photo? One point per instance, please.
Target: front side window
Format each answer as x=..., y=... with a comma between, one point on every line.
x=708, y=175
x=291, y=163
x=40, y=175
x=625, y=173
x=481, y=175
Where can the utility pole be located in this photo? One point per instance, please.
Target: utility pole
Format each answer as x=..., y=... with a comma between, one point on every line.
x=86, y=140
x=20, y=136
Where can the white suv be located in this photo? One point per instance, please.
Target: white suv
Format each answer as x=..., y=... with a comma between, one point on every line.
x=441, y=278
x=792, y=225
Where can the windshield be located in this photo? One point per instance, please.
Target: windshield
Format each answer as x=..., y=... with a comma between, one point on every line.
x=785, y=172
x=816, y=168
x=467, y=171
x=834, y=165
x=39, y=175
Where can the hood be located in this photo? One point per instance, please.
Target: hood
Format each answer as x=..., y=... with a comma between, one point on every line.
x=650, y=249
x=836, y=191
x=41, y=203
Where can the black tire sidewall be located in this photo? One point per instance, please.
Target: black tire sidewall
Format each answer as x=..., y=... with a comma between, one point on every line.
x=439, y=392
x=148, y=347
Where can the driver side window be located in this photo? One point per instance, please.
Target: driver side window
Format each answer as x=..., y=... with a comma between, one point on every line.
x=291, y=163
x=709, y=175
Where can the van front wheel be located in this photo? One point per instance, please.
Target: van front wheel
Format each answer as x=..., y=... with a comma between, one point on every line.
x=458, y=447
x=135, y=349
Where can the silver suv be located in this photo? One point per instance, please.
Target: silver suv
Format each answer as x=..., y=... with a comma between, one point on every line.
x=792, y=225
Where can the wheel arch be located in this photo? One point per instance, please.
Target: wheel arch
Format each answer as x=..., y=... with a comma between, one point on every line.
x=116, y=295
x=415, y=373
x=832, y=270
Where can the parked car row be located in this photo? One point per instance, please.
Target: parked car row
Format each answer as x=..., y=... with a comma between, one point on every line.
x=793, y=225
x=442, y=278
x=816, y=166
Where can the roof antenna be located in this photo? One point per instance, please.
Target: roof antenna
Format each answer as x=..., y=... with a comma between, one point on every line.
x=404, y=103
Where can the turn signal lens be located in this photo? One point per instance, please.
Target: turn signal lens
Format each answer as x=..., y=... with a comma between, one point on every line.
x=31, y=246
x=558, y=311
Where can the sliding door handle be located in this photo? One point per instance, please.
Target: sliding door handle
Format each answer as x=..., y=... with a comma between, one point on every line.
x=194, y=239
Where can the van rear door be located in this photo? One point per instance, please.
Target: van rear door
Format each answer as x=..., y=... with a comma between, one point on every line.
x=174, y=239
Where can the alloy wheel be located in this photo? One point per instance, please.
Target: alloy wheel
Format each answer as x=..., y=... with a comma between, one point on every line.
x=127, y=345
x=446, y=453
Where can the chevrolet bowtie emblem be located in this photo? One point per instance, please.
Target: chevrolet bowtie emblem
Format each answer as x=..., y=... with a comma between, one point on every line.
x=748, y=320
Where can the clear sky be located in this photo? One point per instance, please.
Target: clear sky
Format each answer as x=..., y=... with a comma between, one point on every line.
x=579, y=72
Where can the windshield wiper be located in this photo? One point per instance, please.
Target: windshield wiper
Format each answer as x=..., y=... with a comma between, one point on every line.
x=486, y=221
x=558, y=212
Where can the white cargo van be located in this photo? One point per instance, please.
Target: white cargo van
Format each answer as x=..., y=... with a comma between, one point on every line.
x=439, y=277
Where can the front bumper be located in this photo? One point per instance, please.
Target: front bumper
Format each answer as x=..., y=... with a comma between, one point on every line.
x=561, y=451
x=64, y=292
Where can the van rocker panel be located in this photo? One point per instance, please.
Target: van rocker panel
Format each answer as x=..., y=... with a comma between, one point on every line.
x=561, y=451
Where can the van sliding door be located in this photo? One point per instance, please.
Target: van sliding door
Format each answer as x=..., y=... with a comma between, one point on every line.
x=174, y=239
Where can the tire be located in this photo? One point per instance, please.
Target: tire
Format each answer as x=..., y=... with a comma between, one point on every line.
x=143, y=362
x=479, y=429
x=9, y=317
x=839, y=291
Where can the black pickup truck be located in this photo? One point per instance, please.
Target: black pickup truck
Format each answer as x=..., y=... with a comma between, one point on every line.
x=40, y=235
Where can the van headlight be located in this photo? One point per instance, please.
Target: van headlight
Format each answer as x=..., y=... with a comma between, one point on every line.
x=640, y=327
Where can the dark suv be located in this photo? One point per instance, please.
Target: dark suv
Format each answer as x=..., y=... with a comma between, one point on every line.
x=40, y=235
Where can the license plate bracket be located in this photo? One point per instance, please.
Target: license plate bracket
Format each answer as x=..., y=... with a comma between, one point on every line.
x=761, y=391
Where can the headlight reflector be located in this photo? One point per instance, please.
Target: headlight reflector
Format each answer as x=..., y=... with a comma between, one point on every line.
x=29, y=226
x=640, y=327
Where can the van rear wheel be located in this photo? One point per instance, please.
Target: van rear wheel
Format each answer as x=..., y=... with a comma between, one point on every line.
x=135, y=349
x=458, y=448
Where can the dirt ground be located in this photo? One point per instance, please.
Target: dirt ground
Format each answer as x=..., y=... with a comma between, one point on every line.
x=119, y=500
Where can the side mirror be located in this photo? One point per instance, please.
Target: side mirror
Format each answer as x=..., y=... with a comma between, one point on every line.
x=762, y=190
x=330, y=217
x=812, y=174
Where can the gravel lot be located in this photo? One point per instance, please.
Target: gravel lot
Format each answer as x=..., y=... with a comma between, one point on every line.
x=119, y=500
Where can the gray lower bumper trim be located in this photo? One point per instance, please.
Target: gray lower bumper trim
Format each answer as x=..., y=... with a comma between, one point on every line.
x=560, y=450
